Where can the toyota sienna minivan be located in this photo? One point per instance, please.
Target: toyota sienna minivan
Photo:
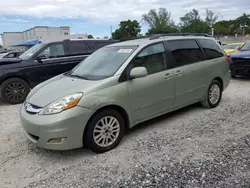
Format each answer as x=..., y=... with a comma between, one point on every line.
x=121, y=85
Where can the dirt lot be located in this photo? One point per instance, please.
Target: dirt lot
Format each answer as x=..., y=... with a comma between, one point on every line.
x=193, y=147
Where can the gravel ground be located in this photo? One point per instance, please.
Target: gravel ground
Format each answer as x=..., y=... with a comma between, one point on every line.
x=193, y=147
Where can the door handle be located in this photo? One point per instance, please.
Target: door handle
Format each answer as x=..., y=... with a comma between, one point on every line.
x=178, y=73
x=167, y=76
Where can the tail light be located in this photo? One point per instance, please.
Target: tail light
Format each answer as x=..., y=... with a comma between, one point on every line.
x=228, y=59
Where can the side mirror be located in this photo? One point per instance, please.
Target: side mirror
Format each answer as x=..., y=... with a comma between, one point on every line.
x=40, y=57
x=138, y=72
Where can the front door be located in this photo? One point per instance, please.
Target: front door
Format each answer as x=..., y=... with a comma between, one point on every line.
x=51, y=62
x=152, y=95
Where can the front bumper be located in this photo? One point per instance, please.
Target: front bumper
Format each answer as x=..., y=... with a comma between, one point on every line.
x=240, y=70
x=70, y=124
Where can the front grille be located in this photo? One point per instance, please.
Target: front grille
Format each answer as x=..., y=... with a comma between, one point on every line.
x=32, y=109
x=241, y=62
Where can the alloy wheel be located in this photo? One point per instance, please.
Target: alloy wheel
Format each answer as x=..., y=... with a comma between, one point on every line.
x=106, y=131
x=15, y=91
x=214, y=94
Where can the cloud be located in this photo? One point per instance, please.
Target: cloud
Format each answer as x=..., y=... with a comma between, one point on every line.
x=113, y=11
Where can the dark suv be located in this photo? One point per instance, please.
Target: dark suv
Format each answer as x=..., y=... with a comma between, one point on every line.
x=41, y=62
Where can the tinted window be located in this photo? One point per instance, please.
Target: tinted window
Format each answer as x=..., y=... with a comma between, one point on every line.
x=53, y=51
x=86, y=47
x=185, y=52
x=152, y=58
x=211, y=49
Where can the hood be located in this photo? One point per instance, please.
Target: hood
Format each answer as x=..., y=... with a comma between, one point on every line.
x=7, y=61
x=56, y=88
x=241, y=54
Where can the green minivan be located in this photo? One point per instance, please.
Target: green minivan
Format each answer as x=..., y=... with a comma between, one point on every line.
x=121, y=85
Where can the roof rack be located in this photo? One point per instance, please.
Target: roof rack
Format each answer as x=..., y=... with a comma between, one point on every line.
x=157, y=36
x=143, y=37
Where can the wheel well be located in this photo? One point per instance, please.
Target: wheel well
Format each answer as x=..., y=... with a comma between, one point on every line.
x=219, y=80
x=121, y=110
x=9, y=77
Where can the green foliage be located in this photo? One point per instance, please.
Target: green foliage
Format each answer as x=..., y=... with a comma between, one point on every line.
x=127, y=29
x=90, y=37
x=1, y=46
x=159, y=22
x=192, y=22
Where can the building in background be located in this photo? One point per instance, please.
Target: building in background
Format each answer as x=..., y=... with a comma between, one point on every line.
x=41, y=33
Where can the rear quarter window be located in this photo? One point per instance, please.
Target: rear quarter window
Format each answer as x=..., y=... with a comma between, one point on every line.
x=211, y=49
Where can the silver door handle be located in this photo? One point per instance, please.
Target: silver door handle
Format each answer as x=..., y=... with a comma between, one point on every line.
x=167, y=76
x=178, y=73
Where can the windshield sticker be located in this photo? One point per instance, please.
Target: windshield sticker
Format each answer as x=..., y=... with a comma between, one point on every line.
x=125, y=50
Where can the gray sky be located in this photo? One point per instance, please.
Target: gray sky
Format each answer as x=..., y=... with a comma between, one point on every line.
x=116, y=10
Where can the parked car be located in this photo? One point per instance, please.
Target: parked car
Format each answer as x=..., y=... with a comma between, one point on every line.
x=11, y=54
x=240, y=61
x=121, y=85
x=233, y=47
x=41, y=62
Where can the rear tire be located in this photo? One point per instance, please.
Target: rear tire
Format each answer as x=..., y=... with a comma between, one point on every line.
x=104, y=131
x=14, y=90
x=213, y=95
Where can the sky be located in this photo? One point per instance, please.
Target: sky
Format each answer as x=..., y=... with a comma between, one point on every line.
x=97, y=16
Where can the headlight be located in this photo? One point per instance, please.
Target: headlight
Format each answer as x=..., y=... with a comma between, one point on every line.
x=62, y=104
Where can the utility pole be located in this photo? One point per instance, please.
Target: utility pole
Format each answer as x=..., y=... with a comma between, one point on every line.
x=111, y=31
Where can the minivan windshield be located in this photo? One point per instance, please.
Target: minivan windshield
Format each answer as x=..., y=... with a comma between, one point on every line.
x=103, y=63
x=246, y=47
x=30, y=52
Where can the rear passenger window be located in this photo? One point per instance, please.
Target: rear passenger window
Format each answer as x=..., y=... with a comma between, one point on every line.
x=210, y=48
x=185, y=52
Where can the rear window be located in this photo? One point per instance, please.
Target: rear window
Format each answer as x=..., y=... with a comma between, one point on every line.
x=185, y=52
x=211, y=49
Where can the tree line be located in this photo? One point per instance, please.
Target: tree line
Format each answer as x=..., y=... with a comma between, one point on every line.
x=161, y=22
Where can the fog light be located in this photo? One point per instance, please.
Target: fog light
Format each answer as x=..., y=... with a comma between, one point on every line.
x=57, y=140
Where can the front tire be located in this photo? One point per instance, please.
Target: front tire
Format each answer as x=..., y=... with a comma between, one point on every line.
x=104, y=131
x=213, y=95
x=14, y=90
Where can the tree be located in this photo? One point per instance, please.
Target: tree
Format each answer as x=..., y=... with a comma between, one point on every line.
x=90, y=36
x=222, y=28
x=210, y=18
x=189, y=17
x=1, y=46
x=159, y=22
x=192, y=22
x=128, y=29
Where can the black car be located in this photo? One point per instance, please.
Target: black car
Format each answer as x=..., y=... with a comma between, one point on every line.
x=240, y=61
x=41, y=62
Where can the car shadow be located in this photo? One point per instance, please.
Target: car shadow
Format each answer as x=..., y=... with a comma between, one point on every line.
x=242, y=78
x=159, y=119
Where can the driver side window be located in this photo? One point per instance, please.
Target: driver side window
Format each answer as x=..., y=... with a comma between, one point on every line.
x=53, y=51
x=152, y=58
